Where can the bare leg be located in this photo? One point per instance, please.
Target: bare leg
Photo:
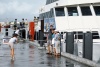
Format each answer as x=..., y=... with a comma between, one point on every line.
x=54, y=51
x=48, y=48
x=12, y=53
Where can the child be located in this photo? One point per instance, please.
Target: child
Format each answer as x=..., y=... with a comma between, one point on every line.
x=11, y=44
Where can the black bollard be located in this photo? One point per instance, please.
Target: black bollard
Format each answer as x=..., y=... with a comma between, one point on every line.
x=28, y=34
x=6, y=31
x=6, y=34
x=70, y=42
x=41, y=38
x=39, y=34
x=23, y=33
x=87, y=45
x=20, y=33
x=35, y=35
x=61, y=35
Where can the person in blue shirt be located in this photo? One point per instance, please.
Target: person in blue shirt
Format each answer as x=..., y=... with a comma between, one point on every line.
x=49, y=40
x=57, y=43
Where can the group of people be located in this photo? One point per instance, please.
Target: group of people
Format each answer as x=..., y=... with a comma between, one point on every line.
x=53, y=41
x=21, y=25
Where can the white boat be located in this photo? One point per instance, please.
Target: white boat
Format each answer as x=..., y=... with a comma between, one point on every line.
x=70, y=15
x=74, y=16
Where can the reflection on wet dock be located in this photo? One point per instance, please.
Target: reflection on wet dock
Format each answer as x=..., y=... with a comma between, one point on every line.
x=26, y=56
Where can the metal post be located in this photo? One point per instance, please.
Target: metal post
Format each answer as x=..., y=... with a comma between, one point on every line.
x=0, y=27
x=41, y=38
x=70, y=42
x=20, y=33
x=60, y=44
x=26, y=32
x=6, y=31
x=87, y=45
x=36, y=35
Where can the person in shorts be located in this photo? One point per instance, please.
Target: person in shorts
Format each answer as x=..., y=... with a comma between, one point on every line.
x=49, y=40
x=11, y=44
x=57, y=43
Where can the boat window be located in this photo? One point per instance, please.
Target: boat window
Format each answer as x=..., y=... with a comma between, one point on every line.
x=97, y=10
x=59, y=11
x=72, y=11
x=51, y=13
x=95, y=35
x=78, y=34
x=41, y=16
x=47, y=13
x=50, y=1
x=86, y=11
x=44, y=15
x=47, y=2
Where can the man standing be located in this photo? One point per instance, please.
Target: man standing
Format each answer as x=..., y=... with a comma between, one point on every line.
x=49, y=39
x=15, y=24
x=22, y=24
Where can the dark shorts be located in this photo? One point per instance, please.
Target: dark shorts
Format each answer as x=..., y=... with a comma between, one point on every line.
x=49, y=42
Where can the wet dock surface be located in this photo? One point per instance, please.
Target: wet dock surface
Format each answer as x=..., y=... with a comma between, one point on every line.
x=26, y=56
x=31, y=56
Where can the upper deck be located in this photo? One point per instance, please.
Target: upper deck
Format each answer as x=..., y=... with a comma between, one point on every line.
x=57, y=3
x=50, y=1
x=74, y=15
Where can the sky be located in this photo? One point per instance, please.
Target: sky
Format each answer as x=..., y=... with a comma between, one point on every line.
x=12, y=9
